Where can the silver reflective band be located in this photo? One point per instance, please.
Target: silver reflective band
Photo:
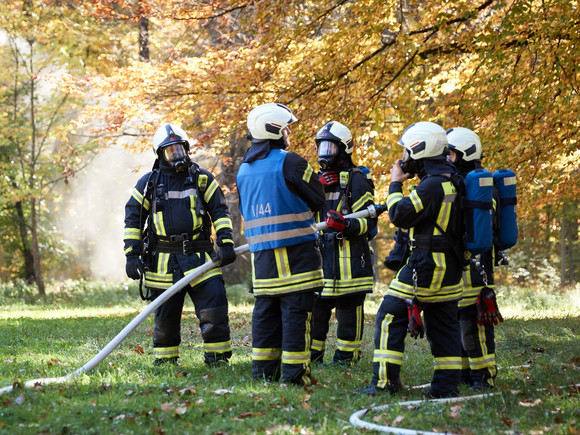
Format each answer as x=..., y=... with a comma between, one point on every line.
x=272, y=220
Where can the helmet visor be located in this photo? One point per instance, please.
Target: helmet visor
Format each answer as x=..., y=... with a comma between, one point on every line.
x=174, y=153
x=327, y=148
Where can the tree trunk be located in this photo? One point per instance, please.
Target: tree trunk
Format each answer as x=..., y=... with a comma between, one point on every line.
x=144, y=39
x=26, y=250
x=35, y=249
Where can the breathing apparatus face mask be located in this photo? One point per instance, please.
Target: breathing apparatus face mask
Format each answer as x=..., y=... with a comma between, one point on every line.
x=175, y=155
x=327, y=153
x=408, y=164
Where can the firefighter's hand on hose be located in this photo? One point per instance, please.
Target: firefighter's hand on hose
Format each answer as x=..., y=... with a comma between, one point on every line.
x=487, y=310
x=336, y=221
x=328, y=178
x=415, y=326
x=133, y=268
x=226, y=255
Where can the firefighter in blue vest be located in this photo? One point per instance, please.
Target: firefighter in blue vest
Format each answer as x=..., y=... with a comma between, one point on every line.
x=279, y=192
x=348, y=270
x=168, y=224
x=478, y=311
x=430, y=280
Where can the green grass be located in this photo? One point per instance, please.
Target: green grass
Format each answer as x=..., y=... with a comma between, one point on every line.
x=125, y=394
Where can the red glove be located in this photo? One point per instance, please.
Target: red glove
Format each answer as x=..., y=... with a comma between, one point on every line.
x=328, y=178
x=415, y=327
x=487, y=310
x=336, y=221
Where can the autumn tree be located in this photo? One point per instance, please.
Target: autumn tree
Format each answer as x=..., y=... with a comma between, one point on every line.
x=506, y=69
x=43, y=44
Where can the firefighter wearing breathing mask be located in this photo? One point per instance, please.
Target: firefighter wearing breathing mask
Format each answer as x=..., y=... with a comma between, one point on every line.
x=168, y=233
x=430, y=280
x=348, y=269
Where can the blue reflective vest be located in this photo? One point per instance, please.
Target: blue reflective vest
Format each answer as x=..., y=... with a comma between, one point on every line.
x=273, y=216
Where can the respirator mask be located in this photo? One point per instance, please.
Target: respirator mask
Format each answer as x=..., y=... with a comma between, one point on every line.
x=408, y=164
x=327, y=153
x=175, y=155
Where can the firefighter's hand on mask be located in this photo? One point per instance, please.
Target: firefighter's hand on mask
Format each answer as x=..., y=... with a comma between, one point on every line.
x=133, y=268
x=336, y=221
x=487, y=310
x=226, y=254
x=328, y=178
x=415, y=326
x=397, y=173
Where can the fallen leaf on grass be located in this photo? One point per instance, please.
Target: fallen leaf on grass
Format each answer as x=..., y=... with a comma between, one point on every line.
x=139, y=350
x=398, y=419
x=224, y=391
x=454, y=411
x=306, y=406
x=527, y=403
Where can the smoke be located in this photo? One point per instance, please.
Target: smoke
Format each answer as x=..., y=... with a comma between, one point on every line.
x=95, y=209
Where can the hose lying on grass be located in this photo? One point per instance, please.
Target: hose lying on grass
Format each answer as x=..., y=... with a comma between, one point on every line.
x=371, y=211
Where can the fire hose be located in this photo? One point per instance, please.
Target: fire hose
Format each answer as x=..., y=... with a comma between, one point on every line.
x=372, y=211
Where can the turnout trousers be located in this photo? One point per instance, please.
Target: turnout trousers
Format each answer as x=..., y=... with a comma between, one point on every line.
x=281, y=335
x=442, y=329
x=478, y=354
x=349, y=311
x=211, y=309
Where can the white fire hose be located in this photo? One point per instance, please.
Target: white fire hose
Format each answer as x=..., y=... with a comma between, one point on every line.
x=372, y=211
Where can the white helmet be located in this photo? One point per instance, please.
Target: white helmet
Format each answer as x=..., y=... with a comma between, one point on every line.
x=423, y=140
x=268, y=120
x=337, y=132
x=466, y=142
x=169, y=134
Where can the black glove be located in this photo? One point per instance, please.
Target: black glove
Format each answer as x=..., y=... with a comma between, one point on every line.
x=415, y=327
x=133, y=267
x=400, y=252
x=226, y=254
x=487, y=310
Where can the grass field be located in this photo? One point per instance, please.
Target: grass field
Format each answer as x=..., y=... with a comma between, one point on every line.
x=538, y=352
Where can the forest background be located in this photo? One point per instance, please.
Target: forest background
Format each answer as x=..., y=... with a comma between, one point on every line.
x=84, y=84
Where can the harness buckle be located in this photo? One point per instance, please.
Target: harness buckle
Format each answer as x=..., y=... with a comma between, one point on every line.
x=178, y=237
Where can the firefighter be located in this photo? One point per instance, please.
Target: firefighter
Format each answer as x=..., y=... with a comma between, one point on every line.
x=478, y=310
x=430, y=280
x=278, y=192
x=348, y=270
x=168, y=224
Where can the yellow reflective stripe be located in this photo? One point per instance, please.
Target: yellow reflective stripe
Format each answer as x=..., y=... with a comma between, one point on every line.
x=266, y=354
x=282, y=219
x=444, y=294
x=129, y=249
x=348, y=346
x=276, y=286
x=393, y=198
x=227, y=242
x=210, y=191
x=364, y=226
x=308, y=333
x=317, y=345
x=359, y=323
x=341, y=286
x=439, y=271
x=385, y=355
x=464, y=363
x=132, y=234
x=282, y=262
x=447, y=363
x=344, y=260
x=368, y=196
x=222, y=347
x=166, y=352
x=481, y=337
x=302, y=357
x=482, y=362
x=307, y=174
x=192, y=209
x=416, y=201
x=159, y=225
x=139, y=198
x=222, y=223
